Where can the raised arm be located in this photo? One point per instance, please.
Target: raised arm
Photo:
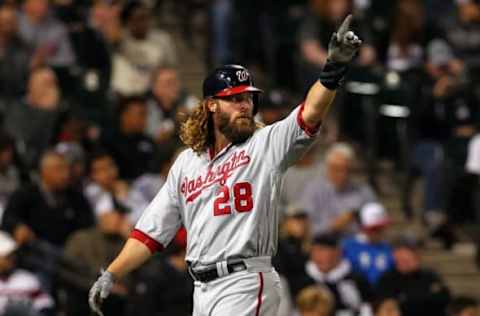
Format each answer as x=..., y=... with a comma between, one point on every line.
x=341, y=50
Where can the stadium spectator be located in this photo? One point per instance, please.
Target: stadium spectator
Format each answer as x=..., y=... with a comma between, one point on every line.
x=440, y=12
x=86, y=252
x=386, y=307
x=48, y=209
x=461, y=106
x=456, y=98
x=295, y=178
x=427, y=155
x=440, y=125
x=294, y=242
x=9, y=174
x=333, y=198
x=130, y=147
x=34, y=119
x=419, y=291
x=368, y=252
x=90, y=85
x=315, y=301
x=72, y=130
x=252, y=22
x=405, y=50
x=379, y=17
x=447, y=103
x=410, y=35
x=462, y=31
x=105, y=191
x=21, y=292
x=326, y=267
x=314, y=36
x=104, y=17
x=463, y=306
x=141, y=51
x=91, y=48
x=274, y=106
x=15, y=57
x=45, y=34
x=167, y=101
x=146, y=187
x=75, y=155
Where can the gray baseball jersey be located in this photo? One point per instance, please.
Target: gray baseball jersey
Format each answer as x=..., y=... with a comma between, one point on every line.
x=227, y=203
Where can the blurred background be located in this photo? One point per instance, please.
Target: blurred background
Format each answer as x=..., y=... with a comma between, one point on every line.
x=381, y=217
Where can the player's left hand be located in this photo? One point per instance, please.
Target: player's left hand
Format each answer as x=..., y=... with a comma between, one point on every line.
x=100, y=291
x=344, y=43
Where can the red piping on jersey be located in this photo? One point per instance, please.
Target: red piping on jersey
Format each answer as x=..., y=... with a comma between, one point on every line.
x=310, y=130
x=260, y=293
x=148, y=241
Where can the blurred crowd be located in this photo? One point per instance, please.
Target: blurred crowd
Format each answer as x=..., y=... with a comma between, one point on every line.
x=91, y=100
x=410, y=96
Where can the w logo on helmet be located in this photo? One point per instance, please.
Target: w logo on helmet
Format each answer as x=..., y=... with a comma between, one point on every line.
x=228, y=80
x=242, y=75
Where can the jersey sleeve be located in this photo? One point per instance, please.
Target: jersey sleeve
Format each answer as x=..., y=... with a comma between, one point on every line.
x=288, y=139
x=162, y=218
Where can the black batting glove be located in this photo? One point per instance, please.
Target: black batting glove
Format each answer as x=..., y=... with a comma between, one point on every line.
x=343, y=46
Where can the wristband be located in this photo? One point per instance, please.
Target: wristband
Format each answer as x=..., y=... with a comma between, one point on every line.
x=332, y=74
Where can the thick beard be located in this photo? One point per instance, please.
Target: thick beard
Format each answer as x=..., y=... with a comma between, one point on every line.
x=235, y=132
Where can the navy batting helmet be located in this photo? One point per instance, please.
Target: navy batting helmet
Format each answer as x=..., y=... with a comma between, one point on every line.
x=229, y=80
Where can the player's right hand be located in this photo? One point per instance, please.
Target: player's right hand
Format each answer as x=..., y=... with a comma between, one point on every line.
x=100, y=291
x=344, y=44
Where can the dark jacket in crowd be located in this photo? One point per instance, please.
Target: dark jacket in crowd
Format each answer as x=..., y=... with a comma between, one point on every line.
x=52, y=217
x=132, y=153
x=86, y=252
x=419, y=293
x=14, y=69
x=90, y=88
x=33, y=128
x=435, y=118
x=293, y=270
x=161, y=289
x=425, y=109
x=351, y=292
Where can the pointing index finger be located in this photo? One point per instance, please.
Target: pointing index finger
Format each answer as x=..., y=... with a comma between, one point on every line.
x=345, y=27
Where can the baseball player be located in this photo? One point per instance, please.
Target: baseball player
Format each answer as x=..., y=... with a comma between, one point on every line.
x=224, y=189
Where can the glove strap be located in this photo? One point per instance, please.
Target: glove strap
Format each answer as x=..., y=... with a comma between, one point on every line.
x=332, y=74
x=108, y=274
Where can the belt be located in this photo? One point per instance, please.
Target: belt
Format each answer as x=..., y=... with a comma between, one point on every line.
x=217, y=270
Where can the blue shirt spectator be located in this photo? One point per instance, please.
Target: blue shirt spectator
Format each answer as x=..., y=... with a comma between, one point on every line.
x=367, y=253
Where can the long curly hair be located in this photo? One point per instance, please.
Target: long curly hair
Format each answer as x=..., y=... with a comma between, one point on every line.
x=196, y=131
